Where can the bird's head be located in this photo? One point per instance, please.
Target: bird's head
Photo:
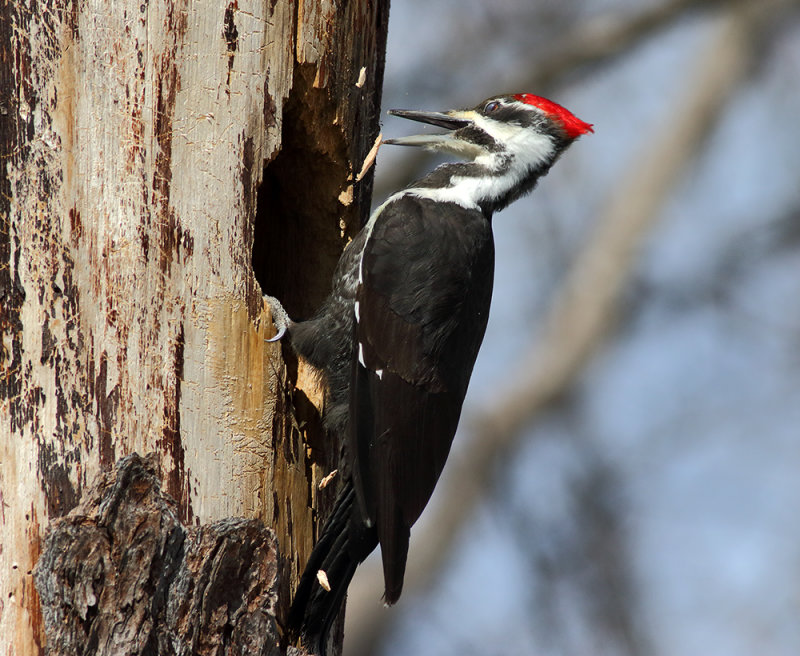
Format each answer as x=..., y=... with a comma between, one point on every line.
x=529, y=129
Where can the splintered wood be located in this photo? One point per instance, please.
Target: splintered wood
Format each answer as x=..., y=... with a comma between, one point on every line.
x=369, y=160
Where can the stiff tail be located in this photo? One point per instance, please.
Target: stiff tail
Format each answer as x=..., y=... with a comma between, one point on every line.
x=340, y=549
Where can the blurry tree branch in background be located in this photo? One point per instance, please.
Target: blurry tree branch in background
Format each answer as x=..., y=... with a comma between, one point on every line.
x=585, y=307
x=604, y=38
x=578, y=559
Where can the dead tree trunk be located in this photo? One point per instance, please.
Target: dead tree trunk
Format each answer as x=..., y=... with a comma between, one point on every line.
x=136, y=237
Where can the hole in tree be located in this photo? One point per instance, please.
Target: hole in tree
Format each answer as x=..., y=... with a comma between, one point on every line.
x=297, y=236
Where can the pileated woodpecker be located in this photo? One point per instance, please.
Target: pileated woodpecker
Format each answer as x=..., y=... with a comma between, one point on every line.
x=398, y=335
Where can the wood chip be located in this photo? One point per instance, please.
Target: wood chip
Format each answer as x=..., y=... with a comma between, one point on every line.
x=369, y=160
x=322, y=577
x=346, y=197
x=324, y=482
x=362, y=77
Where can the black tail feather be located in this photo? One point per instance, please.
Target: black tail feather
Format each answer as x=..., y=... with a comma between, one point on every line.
x=344, y=543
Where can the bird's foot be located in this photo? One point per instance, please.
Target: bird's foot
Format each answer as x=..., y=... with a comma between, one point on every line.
x=279, y=317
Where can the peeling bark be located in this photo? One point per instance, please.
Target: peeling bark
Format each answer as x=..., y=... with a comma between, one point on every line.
x=136, y=237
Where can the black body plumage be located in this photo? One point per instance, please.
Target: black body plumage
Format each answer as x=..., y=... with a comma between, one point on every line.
x=396, y=380
x=398, y=336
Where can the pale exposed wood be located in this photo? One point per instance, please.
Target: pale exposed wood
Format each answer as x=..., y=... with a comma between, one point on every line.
x=133, y=138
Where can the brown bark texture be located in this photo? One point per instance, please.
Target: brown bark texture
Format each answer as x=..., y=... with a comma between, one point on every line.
x=162, y=162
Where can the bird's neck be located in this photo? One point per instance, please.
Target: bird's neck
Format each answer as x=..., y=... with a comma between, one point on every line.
x=488, y=186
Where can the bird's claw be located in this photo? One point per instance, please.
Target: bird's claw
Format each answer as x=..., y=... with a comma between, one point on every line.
x=281, y=332
x=279, y=317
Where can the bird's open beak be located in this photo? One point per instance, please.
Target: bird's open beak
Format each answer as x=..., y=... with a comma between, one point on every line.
x=440, y=119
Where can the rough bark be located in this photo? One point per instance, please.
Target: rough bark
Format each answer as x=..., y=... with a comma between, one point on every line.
x=120, y=574
x=135, y=240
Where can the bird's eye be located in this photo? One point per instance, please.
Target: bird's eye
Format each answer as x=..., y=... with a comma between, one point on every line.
x=491, y=106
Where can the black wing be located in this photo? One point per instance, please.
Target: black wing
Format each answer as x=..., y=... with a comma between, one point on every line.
x=425, y=285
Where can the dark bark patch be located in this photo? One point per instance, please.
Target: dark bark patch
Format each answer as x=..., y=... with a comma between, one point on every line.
x=231, y=36
x=59, y=492
x=167, y=83
x=13, y=56
x=48, y=342
x=162, y=177
x=107, y=402
x=171, y=442
x=75, y=224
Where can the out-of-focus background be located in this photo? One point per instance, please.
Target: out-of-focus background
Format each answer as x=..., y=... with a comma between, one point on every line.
x=626, y=478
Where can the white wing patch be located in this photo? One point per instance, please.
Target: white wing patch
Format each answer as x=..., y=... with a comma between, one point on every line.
x=358, y=318
x=361, y=354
